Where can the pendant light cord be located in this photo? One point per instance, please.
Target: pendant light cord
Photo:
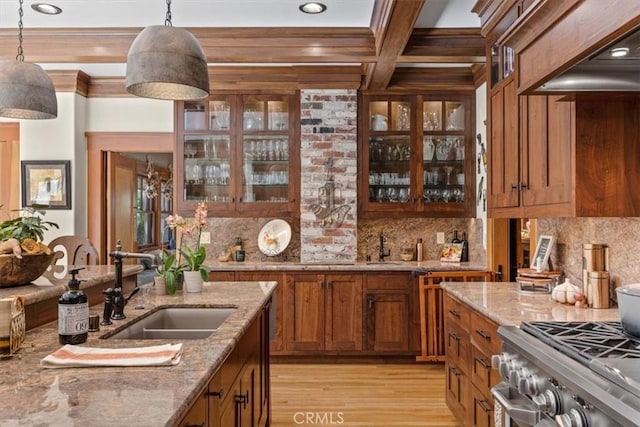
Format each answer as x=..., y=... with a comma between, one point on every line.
x=20, y=55
x=167, y=19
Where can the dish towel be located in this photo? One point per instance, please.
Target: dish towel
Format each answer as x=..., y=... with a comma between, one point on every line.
x=83, y=357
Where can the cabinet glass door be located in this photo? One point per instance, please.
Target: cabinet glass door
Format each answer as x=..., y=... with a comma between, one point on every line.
x=265, y=150
x=443, y=152
x=207, y=168
x=389, y=169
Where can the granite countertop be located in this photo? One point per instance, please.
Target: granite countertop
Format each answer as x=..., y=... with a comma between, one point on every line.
x=44, y=288
x=140, y=396
x=501, y=302
x=357, y=266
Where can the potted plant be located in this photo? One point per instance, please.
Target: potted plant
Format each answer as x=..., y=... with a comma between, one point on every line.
x=23, y=256
x=194, y=270
x=169, y=270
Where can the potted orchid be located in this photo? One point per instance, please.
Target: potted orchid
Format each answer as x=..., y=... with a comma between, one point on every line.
x=168, y=271
x=194, y=270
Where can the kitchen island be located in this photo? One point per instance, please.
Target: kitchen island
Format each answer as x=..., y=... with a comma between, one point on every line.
x=140, y=396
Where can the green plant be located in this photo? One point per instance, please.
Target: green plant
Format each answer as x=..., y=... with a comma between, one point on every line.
x=30, y=225
x=169, y=269
x=194, y=259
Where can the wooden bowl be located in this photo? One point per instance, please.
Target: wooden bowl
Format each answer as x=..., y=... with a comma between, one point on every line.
x=15, y=271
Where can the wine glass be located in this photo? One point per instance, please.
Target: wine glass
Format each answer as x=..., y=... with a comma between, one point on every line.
x=447, y=171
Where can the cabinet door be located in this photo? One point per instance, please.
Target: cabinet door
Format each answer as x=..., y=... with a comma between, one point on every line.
x=343, y=322
x=481, y=409
x=306, y=312
x=387, y=320
x=503, y=148
x=268, y=142
x=388, y=154
x=546, y=139
x=198, y=414
x=457, y=391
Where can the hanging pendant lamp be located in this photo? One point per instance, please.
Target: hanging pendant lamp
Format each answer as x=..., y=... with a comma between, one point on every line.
x=26, y=90
x=165, y=62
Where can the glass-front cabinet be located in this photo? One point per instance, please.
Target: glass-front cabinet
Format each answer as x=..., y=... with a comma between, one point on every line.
x=238, y=154
x=417, y=155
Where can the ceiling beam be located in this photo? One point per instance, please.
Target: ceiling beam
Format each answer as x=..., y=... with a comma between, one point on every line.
x=444, y=45
x=395, y=22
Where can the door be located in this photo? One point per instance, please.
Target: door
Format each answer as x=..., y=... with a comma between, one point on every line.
x=305, y=325
x=10, y=167
x=121, y=190
x=343, y=322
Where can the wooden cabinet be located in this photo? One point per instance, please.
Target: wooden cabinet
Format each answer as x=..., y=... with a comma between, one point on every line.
x=417, y=155
x=238, y=395
x=555, y=155
x=324, y=313
x=471, y=340
x=388, y=313
x=239, y=154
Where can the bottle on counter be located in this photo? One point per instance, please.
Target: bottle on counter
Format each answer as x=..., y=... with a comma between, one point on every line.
x=419, y=249
x=464, y=255
x=73, y=313
x=455, y=237
x=238, y=252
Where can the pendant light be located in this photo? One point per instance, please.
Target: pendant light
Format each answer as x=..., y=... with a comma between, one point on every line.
x=165, y=62
x=26, y=90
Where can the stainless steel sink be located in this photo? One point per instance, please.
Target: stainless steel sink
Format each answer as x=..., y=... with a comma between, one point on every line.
x=175, y=323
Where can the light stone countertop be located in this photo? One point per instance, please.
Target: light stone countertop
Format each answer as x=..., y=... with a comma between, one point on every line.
x=136, y=396
x=358, y=266
x=501, y=302
x=44, y=288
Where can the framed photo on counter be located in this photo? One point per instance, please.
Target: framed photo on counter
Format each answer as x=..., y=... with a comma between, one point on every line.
x=46, y=183
x=543, y=251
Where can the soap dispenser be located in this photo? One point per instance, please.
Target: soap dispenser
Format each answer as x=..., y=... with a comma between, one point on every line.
x=73, y=313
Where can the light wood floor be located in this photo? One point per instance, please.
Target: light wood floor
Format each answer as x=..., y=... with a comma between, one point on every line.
x=359, y=395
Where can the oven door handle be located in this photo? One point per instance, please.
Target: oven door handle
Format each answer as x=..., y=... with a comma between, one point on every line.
x=521, y=410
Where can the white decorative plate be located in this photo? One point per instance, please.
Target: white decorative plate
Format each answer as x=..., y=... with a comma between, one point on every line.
x=274, y=237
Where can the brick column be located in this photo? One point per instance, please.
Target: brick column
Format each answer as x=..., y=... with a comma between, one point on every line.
x=328, y=167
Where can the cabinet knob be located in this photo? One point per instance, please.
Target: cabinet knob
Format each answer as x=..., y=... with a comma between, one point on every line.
x=514, y=187
x=522, y=186
x=370, y=301
x=329, y=285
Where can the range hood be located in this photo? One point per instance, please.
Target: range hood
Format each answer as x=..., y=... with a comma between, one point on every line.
x=603, y=71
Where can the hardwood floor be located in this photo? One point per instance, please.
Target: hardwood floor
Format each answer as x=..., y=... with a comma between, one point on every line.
x=359, y=395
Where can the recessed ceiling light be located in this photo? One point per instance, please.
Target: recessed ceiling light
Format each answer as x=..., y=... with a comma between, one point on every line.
x=617, y=52
x=312, y=7
x=46, y=8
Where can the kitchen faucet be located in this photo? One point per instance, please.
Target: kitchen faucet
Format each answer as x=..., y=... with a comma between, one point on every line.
x=381, y=252
x=115, y=301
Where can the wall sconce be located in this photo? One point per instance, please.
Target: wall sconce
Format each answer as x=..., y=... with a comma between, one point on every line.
x=26, y=90
x=165, y=62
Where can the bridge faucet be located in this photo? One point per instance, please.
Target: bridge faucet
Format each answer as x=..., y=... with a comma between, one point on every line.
x=381, y=252
x=115, y=300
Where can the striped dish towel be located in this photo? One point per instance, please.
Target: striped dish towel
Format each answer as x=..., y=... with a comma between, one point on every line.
x=76, y=356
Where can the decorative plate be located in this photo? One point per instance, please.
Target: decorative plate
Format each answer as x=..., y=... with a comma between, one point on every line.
x=274, y=237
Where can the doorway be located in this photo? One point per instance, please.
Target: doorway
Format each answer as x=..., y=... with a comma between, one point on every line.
x=100, y=199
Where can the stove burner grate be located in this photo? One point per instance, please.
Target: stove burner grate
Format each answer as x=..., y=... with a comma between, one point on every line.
x=585, y=341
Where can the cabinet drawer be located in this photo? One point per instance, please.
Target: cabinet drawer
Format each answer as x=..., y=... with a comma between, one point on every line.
x=457, y=392
x=387, y=281
x=484, y=334
x=457, y=346
x=481, y=409
x=456, y=312
x=483, y=375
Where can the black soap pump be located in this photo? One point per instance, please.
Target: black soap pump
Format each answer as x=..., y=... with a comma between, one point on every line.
x=73, y=313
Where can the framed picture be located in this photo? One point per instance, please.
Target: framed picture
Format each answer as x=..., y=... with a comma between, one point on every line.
x=46, y=183
x=541, y=256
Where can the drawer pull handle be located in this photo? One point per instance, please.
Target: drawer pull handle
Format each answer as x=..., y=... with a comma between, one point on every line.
x=454, y=336
x=485, y=408
x=454, y=371
x=219, y=394
x=483, y=362
x=483, y=334
x=454, y=313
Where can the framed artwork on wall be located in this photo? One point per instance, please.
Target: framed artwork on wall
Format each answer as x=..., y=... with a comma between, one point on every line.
x=46, y=183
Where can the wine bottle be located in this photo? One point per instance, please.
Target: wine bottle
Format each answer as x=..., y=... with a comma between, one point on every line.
x=464, y=255
x=455, y=237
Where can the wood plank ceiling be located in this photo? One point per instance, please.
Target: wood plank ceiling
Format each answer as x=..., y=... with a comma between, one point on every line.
x=290, y=58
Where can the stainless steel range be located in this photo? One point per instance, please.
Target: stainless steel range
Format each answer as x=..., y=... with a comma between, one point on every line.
x=569, y=374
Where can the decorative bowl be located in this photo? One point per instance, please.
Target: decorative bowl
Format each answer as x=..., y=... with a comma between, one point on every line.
x=15, y=271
